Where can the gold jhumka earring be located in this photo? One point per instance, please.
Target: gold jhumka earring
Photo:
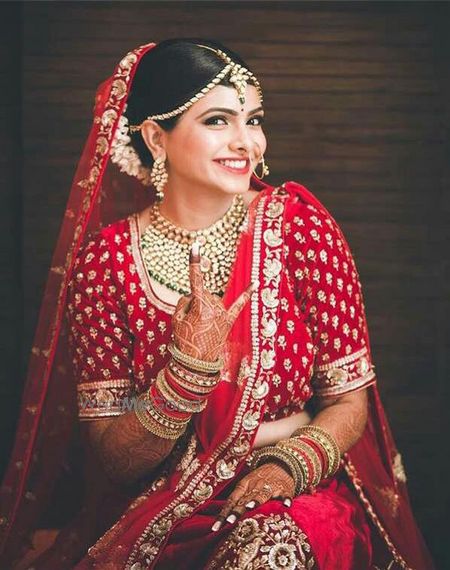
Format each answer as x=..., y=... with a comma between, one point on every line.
x=159, y=177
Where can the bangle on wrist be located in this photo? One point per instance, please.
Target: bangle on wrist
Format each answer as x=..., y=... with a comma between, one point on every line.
x=194, y=363
x=174, y=399
x=326, y=441
x=155, y=424
x=267, y=454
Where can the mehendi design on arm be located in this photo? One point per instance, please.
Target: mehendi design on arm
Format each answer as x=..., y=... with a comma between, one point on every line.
x=127, y=450
x=344, y=417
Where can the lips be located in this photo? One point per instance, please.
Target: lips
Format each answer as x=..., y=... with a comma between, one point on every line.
x=232, y=169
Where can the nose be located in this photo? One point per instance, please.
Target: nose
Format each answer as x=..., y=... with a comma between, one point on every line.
x=243, y=142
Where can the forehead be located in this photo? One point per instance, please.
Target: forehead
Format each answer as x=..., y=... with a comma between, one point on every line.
x=224, y=96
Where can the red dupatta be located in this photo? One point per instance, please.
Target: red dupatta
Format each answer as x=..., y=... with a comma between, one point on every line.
x=48, y=409
x=222, y=441
x=374, y=467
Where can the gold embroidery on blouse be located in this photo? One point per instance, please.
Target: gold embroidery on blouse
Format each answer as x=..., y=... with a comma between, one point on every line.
x=345, y=374
x=103, y=398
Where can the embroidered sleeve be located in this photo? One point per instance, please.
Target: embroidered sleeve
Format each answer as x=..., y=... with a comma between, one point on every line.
x=99, y=339
x=328, y=289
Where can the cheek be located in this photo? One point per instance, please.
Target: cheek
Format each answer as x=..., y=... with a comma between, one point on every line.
x=200, y=143
x=262, y=142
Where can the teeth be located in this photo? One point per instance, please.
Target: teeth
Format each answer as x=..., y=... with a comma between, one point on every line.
x=234, y=163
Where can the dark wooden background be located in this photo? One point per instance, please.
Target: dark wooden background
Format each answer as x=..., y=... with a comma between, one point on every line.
x=357, y=99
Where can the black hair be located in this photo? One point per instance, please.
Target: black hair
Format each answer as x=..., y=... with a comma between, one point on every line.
x=169, y=75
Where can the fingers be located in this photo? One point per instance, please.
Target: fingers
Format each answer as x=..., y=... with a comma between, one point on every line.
x=195, y=273
x=234, y=508
x=182, y=307
x=240, y=302
x=239, y=492
x=238, y=502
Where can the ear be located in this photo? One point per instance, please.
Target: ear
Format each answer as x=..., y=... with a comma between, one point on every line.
x=153, y=136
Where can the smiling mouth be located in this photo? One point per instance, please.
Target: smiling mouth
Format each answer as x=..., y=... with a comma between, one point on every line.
x=235, y=166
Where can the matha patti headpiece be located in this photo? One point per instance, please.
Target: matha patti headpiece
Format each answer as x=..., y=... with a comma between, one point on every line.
x=123, y=154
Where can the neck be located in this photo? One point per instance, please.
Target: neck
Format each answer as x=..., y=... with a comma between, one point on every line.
x=194, y=211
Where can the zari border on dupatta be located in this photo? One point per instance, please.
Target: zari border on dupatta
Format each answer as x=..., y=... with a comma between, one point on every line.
x=224, y=461
x=44, y=349
x=357, y=484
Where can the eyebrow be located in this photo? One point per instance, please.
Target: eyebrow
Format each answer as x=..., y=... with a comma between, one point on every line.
x=228, y=111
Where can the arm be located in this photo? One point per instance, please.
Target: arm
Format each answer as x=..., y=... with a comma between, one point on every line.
x=270, y=433
x=344, y=417
x=127, y=451
x=102, y=348
x=124, y=446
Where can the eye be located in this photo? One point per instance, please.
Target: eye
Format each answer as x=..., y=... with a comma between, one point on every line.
x=259, y=118
x=212, y=120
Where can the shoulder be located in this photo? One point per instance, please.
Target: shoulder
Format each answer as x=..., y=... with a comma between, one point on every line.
x=99, y=245
x=309, y=226
x=109, y=236
x=304, y=209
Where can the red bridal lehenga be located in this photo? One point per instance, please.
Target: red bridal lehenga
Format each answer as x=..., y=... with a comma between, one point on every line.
x=103, y=334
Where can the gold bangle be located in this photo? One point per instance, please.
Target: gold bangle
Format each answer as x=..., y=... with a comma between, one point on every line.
x=332, y=458
x=181, y=404
x=194, y=382
x=303, y=447
x=299, y=458
x=159, y=416
x=271, y=452
x=327, y=442
x=195, y=363
x=155, y=427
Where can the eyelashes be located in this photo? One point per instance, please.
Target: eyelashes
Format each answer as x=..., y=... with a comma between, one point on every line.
x=211, y=120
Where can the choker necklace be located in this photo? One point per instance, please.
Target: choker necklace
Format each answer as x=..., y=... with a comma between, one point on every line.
x=165, y=249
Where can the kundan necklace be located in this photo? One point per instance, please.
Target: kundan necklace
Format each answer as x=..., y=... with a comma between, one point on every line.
x=165, y=249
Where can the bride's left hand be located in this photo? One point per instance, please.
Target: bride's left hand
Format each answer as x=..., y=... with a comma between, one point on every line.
x=266, y=482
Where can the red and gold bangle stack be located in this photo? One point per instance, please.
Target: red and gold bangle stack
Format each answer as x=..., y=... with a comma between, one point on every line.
x=181, y=389
x=325, y=443
x=310, y=455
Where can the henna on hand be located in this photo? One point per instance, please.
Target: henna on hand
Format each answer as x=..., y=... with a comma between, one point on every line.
x=201, y=323
x=127, y=450
x=266, y=482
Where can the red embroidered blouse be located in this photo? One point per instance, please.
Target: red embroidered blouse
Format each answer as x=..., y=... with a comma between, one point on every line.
x=120, y=328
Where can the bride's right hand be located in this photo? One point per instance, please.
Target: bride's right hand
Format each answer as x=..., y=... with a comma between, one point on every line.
x=201, y=323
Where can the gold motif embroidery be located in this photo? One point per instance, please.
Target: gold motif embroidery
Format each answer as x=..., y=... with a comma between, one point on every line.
x=398, y=469
x=223, y=458
x=264, y=541
x=103, y=398
x=343, y=375
x=357, y=484
x=390, y=498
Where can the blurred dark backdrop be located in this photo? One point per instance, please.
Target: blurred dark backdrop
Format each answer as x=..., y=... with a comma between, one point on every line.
x=357, y=98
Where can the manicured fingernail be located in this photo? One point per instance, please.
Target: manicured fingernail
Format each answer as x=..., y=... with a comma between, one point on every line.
x=250, y=504
x=287, y=502
x=215, y=527
x=231, y=518
x=196, y=248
